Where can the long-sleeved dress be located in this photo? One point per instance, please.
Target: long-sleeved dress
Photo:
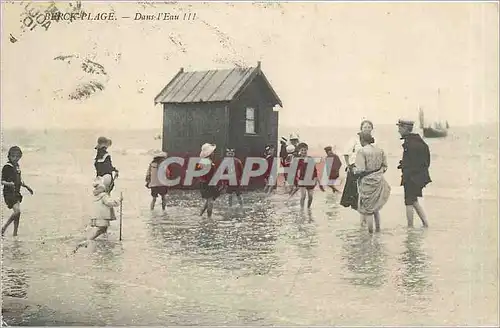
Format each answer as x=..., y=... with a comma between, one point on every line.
x=103, y=205
x=373, y=189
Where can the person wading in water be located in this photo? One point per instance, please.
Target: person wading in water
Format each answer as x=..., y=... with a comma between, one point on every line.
x=12, y=183
x=336, y=164
x=270, y=177
x=103, y=214
x=285, y=163
x=415, y=170
x=350, y=193
x=208, y=191
x=302, y=169
x=153, y=183
x=238, y=167
x=374, y=191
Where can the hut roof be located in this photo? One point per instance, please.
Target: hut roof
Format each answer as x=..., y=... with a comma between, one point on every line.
x=211, y=86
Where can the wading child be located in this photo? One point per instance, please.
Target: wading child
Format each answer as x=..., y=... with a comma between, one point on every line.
x=285, y=163
x=208, y=191
x=103, y=164
x=334, y=169
x=270, y=177
x=153, y=182
x=238, y=167
x=302, y=170
x=103, y=203
x=12, y=183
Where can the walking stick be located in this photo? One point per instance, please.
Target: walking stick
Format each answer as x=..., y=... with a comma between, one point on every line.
x=121, y=216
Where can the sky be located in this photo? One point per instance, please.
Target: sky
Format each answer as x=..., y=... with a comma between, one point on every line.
x=332, y=64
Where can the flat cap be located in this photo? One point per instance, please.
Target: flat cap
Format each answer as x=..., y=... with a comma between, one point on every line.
x=405, y=122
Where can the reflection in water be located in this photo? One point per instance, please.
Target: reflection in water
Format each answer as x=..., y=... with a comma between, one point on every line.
x=415, y=263
x=365, y=258
x=305, y=235
x=106, y=255
x=15, y=281
x=233, y=239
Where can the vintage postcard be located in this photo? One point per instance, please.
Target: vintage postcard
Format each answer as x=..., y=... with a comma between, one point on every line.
x=249, y=163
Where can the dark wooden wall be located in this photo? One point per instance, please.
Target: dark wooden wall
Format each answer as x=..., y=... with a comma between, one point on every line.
x=258, y=96
x=188, y=126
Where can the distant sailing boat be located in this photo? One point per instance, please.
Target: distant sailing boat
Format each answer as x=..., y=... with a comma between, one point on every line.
x=436, y=130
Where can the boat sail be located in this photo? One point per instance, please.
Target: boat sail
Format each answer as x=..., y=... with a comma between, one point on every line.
x=436, y=130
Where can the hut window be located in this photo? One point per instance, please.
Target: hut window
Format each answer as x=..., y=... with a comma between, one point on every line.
x=250, y=121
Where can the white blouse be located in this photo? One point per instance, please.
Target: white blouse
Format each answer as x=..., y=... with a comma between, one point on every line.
x=352, y=149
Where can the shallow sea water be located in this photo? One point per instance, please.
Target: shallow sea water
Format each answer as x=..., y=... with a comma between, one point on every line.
x=266, y=264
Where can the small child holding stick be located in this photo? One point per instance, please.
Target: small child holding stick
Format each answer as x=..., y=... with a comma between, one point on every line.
x=102, y=214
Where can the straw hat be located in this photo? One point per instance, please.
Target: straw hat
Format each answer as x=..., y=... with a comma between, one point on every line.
x=207, y=150
x=294, y=136
x=290, y=149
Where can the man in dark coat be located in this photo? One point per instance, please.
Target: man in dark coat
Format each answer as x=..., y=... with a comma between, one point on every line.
x=415, y=170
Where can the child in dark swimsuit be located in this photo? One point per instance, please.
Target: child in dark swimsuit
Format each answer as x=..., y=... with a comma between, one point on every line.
x=302, y=168
x=12, y=183
x=238, y=172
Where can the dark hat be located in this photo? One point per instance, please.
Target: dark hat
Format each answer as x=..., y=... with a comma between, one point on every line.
x=302, y=145
x=103, y=141
x=328, y=148
x=405, y=123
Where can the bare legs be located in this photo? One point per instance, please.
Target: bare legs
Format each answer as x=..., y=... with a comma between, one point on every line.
x=240, y=200
x=209, y=205
x=15, y=217
x=368, y=219
x=163, y=202
x=98, y=232
x=303, y=192
x=420, y=211
x=376, y=216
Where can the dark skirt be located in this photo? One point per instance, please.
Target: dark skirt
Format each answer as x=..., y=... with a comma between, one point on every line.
x=350, y=193
x=208, y=191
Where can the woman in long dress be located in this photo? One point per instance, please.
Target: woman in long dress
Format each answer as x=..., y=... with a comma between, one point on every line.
x=373, y=189
x=350, y=192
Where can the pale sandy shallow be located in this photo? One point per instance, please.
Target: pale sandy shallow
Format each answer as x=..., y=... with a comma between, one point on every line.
x=268, y=265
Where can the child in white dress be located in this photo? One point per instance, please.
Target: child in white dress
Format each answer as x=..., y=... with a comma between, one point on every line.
x=103, y=214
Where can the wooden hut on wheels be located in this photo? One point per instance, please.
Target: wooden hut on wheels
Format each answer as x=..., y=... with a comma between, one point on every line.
x=232, y=108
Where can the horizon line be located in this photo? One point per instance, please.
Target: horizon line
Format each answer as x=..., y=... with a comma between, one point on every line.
x=282, y=126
